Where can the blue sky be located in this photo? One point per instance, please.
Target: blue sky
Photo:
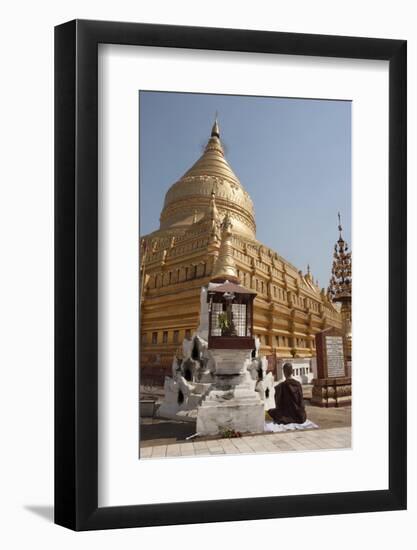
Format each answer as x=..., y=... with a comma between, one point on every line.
x=293, y=156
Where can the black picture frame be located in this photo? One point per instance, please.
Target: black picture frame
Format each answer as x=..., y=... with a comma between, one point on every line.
x=76, y=271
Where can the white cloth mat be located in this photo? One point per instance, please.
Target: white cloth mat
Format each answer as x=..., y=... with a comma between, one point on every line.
x=272, y=427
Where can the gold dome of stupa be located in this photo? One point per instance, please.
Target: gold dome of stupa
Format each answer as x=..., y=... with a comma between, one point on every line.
x=189, y=198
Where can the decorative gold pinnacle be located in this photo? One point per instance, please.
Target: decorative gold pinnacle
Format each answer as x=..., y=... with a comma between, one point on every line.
x=340, y=286
x=225, y=266
x=212, y=211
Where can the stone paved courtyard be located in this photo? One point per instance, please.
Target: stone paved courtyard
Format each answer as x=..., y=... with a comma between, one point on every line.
x=308, y=440
x=161, y=439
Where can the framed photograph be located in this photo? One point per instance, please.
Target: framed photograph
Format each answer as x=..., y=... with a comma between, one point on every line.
x=230, y=252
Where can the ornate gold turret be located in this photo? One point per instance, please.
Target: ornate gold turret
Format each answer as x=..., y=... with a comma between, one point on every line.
x=340, y=287
x=211, y=173
x=225, y=267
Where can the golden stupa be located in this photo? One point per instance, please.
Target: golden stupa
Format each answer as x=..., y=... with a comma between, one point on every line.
x=183, y=255
x=191, y=195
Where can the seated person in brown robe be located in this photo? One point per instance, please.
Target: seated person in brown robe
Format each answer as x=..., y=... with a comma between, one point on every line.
x=288, y=400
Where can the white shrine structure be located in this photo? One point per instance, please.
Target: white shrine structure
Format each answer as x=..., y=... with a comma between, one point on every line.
x=221, y=379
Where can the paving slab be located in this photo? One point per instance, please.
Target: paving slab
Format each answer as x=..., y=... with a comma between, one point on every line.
x=308, y=440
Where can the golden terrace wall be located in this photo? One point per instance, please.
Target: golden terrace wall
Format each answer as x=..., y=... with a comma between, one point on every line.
x=289, y=308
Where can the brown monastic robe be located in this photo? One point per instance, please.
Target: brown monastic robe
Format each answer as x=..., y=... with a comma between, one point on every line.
x=289, y=403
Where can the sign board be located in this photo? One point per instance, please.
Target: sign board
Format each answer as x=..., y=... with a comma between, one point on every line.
x=331, y=361
x=335, y=356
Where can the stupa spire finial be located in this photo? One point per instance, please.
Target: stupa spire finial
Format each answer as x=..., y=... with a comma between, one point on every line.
x=215, y=131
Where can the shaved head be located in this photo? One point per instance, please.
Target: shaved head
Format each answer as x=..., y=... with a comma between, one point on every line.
x=287, y=369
